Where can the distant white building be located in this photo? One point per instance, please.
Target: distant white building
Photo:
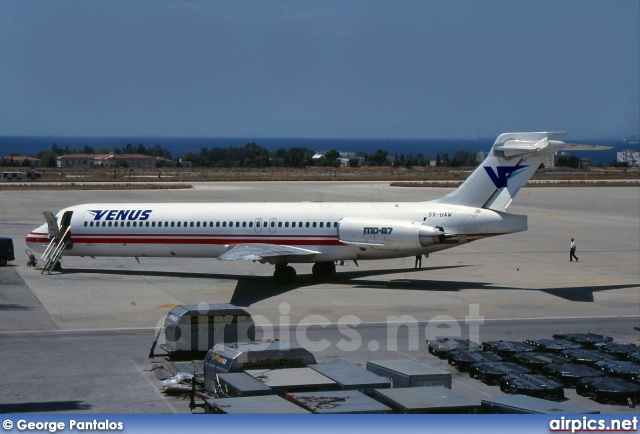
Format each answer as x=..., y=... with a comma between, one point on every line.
x=629, y=156
x=83, y=161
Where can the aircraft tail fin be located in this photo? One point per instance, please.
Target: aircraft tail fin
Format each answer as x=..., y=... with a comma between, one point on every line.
x=512, y=161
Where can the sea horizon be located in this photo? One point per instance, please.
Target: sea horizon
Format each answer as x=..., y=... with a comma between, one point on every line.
x=179, y=146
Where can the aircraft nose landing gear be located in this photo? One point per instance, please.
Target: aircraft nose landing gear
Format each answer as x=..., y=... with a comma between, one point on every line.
x=284, y=274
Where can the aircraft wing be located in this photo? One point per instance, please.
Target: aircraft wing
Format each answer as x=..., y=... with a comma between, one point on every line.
x=261, y=251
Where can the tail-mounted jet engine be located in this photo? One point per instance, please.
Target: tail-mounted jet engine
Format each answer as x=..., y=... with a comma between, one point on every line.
x=388, y=234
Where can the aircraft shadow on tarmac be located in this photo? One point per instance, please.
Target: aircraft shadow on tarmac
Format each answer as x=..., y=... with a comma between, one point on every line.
x=40, y=407
x=253, y=289
x=12, y=307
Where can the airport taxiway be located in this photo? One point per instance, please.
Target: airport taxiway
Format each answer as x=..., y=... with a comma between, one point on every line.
x=77, y=341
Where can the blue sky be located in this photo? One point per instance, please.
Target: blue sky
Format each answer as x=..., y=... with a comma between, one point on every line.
x=319, y=69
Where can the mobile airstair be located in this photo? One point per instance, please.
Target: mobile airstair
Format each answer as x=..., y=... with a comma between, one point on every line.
x=53, y=252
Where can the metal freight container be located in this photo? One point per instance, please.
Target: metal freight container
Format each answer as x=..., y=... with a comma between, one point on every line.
x=350, y=376
x=338, y=402
x=234, y=384
x=239, y=356
x=191, y=330
x=435, y=399
x=269, y=404
x=521, y=404
x=407, y=373
x=287, y=380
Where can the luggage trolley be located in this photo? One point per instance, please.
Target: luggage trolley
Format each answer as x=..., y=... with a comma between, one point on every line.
x=33, y=262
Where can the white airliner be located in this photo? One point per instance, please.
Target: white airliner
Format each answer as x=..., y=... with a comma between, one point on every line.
x=322, y=233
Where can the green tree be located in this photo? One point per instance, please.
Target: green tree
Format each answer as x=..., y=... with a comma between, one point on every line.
x=141, y=149
x=296, y=157
x=331, y=157
x=464, y=159
x=568, y=161
x=378, y=158
x=616, y=163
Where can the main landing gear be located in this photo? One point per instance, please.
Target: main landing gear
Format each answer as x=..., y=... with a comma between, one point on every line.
x=323, y=270
x=284, y=274
x=287, y=274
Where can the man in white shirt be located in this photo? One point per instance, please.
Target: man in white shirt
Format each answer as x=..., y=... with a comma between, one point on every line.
x=572, y=251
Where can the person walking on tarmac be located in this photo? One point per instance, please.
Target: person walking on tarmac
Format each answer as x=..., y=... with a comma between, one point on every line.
x=418, y=263
x=572, y=251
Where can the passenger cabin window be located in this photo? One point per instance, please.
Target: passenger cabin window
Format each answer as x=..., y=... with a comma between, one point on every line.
x=314, y=224
x=307, y=225
x=250, y=224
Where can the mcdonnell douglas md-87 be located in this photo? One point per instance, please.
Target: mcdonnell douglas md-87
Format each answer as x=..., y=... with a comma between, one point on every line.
x=321, y=233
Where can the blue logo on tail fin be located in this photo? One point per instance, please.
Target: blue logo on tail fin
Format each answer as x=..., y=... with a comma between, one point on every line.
x=504, y=173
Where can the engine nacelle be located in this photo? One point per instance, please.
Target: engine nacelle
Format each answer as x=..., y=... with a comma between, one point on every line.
x=388, y=233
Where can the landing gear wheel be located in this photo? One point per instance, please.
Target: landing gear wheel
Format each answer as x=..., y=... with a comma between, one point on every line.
x=285, y=274
x=323, y=270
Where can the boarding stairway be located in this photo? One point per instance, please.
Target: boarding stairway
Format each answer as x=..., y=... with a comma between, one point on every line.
x=53, y=252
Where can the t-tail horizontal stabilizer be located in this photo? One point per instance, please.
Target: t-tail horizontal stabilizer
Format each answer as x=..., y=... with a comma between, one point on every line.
x=513, y=160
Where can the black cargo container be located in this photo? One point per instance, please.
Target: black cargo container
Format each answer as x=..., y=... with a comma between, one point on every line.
x=463, y=359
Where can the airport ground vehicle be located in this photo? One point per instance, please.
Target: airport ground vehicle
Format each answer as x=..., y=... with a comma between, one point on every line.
x=6, y=251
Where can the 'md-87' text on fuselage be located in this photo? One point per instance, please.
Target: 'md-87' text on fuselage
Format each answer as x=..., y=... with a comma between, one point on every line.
x=121, y=214
x=375, y=231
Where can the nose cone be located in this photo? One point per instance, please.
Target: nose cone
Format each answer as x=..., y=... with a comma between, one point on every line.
x=38, y=239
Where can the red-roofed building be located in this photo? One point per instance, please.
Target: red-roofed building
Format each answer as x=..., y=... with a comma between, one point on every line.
x=18, y=161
